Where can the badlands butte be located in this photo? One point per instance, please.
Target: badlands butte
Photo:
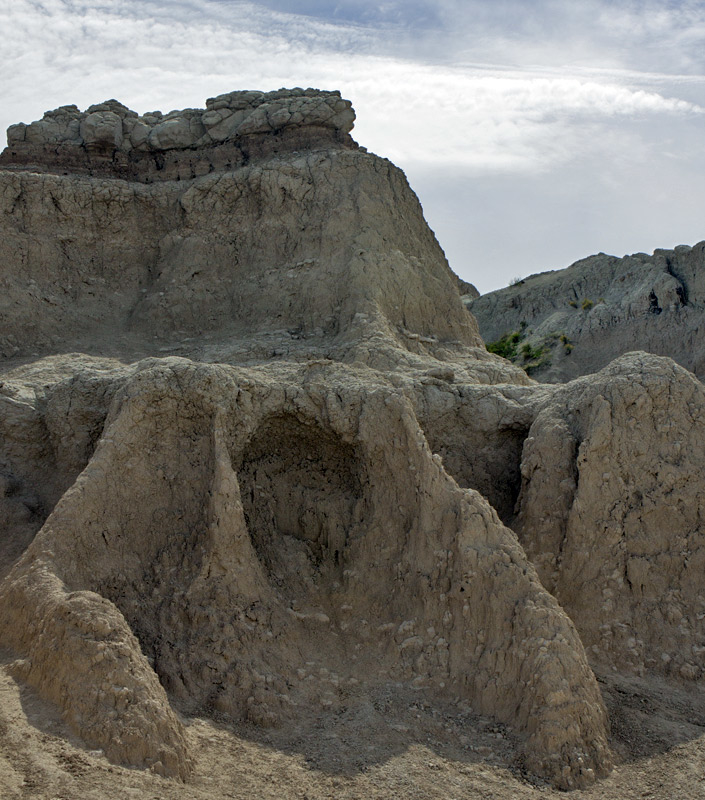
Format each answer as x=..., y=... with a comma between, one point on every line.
x=275, y=523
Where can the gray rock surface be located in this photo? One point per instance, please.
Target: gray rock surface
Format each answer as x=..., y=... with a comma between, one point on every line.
x=602, y=307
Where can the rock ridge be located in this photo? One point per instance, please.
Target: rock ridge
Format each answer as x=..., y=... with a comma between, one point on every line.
x=580, y=318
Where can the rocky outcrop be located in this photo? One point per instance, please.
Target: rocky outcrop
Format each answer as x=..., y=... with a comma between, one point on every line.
x=611, y=513
x=576, y=320
x=109, y=139
x=247, y=526
x=325, y=252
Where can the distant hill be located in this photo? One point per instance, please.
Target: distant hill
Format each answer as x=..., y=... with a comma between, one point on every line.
x=567, y=323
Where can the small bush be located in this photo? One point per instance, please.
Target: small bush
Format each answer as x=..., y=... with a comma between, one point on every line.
x=586, y=305
x=532, y=366
x=505, y=346
x=572, y=303
x=531, y=353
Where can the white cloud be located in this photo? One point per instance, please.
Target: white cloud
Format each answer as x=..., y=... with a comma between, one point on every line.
x=480, y=118
x=589, y=102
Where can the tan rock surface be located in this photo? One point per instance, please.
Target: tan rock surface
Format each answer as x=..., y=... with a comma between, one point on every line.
x=277, y=539
x=262, y=494
x=611, y=513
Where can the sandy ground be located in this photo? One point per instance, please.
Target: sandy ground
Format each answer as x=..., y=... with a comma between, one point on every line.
x=392, y=744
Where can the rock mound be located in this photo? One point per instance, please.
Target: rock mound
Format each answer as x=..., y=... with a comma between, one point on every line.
x=612, y=516
x=580, y=318
x=249, y=525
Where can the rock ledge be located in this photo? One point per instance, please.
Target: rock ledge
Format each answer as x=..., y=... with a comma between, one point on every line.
x=109, y=139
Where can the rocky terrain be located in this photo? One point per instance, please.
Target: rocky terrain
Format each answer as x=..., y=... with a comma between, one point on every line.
x=575, y=321
x=274, y=520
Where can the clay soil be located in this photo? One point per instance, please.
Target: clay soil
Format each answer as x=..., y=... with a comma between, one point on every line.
x=388, y=744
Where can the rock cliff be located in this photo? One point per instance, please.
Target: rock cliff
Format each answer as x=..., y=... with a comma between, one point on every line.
x=255, y=459
x=582, y=317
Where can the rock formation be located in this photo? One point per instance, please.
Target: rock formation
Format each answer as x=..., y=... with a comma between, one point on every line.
x=612, y=516
x=110, y=139
x=268, y=476
x=582, y=317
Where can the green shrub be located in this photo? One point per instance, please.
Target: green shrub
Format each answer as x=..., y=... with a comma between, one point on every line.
x=531, y=353
x=586, y=305
x=532, y=366
x=506, y=346
x=572, y=303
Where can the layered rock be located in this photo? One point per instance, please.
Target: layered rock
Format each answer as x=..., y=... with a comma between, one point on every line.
x=323, y=252
x=586, y=315
x=110, y=139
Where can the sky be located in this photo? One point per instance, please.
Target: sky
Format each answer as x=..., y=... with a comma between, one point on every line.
x=535, y=132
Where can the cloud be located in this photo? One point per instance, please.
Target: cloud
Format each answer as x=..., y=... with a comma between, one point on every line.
x=406, y=13
x=591, y=89
x=482, y=118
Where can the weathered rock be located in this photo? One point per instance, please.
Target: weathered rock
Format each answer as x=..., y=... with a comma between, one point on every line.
x=111, y=140
x=247, y=524
x=467, y=289
x=601, y=307
x=296, y=513
x=611, y=513
x=324, y=252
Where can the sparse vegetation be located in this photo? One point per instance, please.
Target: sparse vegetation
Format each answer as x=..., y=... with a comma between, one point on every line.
x=531, y=353
x=532, y=356
x=572, y=303
x=516, y=281
x=587, y=304
x=506, y=346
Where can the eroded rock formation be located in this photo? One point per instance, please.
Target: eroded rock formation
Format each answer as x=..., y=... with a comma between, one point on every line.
x=597, y=309
x=611, y=512
x=272, y=478
x=110, y=139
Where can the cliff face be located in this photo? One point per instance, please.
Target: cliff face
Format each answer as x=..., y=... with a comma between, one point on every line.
x=601, y=307
x=272, y=477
